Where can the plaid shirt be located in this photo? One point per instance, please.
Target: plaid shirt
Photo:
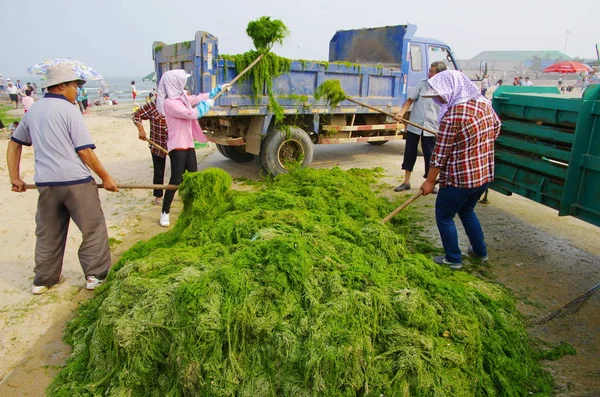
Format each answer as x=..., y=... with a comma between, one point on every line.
x=158, y=126
x=464, y=147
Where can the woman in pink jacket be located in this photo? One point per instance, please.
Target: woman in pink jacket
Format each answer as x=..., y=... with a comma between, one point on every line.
x=182, y=112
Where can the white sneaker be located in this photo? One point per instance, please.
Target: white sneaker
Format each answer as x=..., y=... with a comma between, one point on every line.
x=164, y=220
x=38, y=289
x=92, y=282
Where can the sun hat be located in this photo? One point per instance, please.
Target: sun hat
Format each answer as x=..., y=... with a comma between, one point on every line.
x=61, y=73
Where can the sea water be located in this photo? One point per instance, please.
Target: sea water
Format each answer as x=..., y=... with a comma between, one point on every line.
x=119, y=88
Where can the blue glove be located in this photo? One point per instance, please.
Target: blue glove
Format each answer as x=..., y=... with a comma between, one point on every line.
x=213, y=93
x=204, y=106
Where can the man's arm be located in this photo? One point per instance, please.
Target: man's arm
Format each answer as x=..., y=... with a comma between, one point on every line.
x=13, y=160
x=91, y=160
x=405, y=107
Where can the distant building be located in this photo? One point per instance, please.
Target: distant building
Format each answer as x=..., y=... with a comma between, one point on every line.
x=513, y=60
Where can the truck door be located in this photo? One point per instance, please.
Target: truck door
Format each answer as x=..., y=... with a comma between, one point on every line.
x=437, y=53
x=418, y=69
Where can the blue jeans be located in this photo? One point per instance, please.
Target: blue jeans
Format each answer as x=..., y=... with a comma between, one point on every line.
x=451, y=201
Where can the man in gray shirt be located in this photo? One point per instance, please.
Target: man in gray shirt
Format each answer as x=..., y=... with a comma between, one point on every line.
x=63, y=153
x=424, y=112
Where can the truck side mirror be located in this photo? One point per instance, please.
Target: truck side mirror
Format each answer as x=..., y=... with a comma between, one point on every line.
x=483, y=68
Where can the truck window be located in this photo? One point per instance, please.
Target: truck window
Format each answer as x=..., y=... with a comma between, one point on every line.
x=416, y=58
x=437, y=54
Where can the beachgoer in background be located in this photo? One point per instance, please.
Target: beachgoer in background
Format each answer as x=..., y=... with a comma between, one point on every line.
x=158, y=135
x=498, y=83
x=19, y=86
x=182, y=113
x=27, y=100
x=463, y=160
x=63, y=151
x=485, y=84
x=520, y=80
x=79, y=98
x=2, y=85
x=13, y=127
x=133, y=91
x=516, y=81
x=13, y=93
x=527, y=82
x=424, y=112
x=34, y=90
x=103, y=91
x=150, y=97
x=84, y=100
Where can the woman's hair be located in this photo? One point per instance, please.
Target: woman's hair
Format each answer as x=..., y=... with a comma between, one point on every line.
x=132, y=82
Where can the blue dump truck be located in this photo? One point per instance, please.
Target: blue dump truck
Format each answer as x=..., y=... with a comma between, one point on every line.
x=549, y=148
x=376, y=66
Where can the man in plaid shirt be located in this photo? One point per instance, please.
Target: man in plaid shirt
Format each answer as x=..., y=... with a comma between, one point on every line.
x=463, y=159
x=158, y=135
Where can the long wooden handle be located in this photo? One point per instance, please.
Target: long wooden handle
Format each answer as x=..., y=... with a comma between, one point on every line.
x=400, y=208
x=156, y=145
x=391, y=115
x=128, y=186
x=243, y=72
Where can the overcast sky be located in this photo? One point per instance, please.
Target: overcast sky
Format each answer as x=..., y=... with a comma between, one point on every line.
x=115, y=37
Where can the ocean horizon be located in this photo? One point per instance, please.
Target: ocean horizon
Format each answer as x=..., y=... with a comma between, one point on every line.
x=119, y=87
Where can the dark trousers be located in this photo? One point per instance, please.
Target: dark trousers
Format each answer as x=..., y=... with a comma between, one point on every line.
x=181, y=161
x=158, y=164
x=57, y=205
x=411, y=149
x=451, y=201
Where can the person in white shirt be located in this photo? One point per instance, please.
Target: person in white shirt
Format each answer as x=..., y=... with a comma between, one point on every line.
x=13, y=93
x=133, y=91
x=527, y=82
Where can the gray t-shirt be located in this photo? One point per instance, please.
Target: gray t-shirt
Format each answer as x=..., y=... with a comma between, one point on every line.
x=56, y=129
x=424, y=111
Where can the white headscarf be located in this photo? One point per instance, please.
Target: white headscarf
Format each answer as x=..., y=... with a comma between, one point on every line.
x=455, y=87
x=172, y=85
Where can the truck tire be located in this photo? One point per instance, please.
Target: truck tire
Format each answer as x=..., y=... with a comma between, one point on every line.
x=377, y=143
x=237, y=154
x=280, y=147
x=220, y=149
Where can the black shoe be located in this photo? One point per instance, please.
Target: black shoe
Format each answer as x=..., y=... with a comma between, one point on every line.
x=403, y=187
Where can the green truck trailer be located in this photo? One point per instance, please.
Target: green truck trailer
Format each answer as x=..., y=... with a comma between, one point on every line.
x=549, y=148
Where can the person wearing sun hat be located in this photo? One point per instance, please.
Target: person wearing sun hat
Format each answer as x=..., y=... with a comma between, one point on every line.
x=63, y=151
x=463, y=159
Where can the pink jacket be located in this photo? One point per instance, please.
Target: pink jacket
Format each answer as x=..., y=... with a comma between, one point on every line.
x=182, y=123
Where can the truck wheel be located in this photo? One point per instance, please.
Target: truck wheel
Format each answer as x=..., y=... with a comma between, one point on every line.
x=220, y=149
x=280, y=148
x=237, y=154
x=377, y=143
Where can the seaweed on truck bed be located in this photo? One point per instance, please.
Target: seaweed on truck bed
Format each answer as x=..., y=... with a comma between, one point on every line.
x=294, y=289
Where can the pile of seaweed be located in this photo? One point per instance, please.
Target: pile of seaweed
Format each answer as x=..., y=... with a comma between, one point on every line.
x=294, y=289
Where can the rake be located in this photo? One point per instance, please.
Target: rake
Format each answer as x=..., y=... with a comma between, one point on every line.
x=570, y=308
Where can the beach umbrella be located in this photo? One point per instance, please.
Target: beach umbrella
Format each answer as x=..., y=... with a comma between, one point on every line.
x=81, y=69
x=567, y=67
x=150, y=77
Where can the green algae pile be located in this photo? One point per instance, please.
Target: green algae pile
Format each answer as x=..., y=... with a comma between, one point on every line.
x=265, y=32
x=332, y=91
x=293, y=289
